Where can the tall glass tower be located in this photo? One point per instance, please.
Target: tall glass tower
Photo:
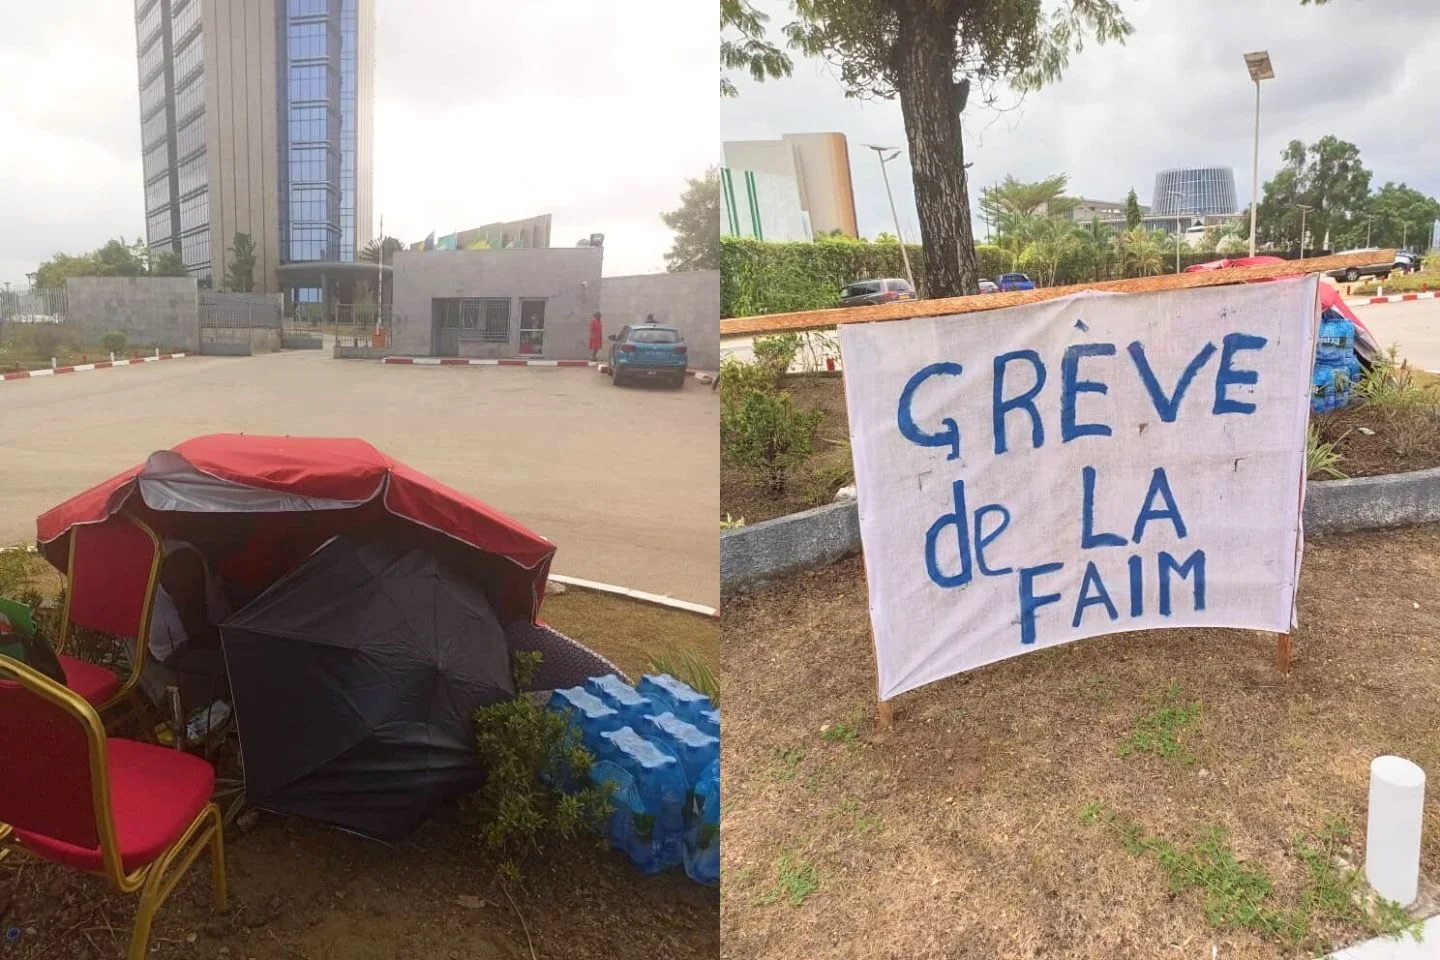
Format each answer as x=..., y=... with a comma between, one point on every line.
x=256, y=118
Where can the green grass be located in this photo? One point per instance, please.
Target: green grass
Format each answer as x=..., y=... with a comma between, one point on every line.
x=1159, y=731
x=686, y=665
x=797, y=880
x=786, y=762
x=840, y=732
x=17, y=571
x=1236, y=895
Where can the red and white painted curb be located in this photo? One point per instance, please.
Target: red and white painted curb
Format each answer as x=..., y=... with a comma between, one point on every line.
x=653, y=598
x=82, y=367
x=1394, y=298
x=467, y=362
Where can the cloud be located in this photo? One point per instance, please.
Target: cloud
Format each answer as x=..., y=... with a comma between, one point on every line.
x=1177, y=94
x=596, y=113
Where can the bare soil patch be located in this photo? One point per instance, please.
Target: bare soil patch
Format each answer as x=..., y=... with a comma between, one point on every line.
x=960, y=833
x=303, y=891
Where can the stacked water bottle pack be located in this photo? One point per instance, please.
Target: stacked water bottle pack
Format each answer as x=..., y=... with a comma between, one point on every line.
x=1336, y=367
x=658, y=745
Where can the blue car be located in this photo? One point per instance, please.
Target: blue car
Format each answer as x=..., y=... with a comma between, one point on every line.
x=1014, y=281
x=648, y=351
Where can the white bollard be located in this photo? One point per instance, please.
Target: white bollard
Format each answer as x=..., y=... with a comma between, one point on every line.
x=53, y=364
x=1392, y=838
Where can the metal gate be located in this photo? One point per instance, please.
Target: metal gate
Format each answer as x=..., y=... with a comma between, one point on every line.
x=239, y=324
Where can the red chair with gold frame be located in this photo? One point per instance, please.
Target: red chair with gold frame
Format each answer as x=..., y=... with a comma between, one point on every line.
x=125, y=810
x=111, y=577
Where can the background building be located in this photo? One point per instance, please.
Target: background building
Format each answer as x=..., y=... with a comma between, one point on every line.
x=1106, y=211
x=256, y=117
x=817, y=164
x=1194, y=192
x=761, y=206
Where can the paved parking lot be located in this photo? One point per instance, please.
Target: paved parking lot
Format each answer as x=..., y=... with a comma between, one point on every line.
x=624, y=481
x=1413, y=325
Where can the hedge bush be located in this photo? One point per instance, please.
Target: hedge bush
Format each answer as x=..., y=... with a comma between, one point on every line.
x=757, y=277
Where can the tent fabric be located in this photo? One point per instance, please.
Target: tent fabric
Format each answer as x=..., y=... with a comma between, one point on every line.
x=271, y=476
x=354, y=679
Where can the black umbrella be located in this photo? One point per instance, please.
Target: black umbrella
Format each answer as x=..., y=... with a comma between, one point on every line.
x=354, y=680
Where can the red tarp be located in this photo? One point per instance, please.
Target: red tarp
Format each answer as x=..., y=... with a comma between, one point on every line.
x=349, y=483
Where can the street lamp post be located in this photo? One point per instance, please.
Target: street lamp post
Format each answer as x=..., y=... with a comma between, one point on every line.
x=1368, y=220
x=1304, y=209
x=904, y=256
x=1258, y=63
x=1177, y=193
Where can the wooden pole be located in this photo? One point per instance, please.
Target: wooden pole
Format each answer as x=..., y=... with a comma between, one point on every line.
x=1282, y=653
x=884, y=714
x=906, y=309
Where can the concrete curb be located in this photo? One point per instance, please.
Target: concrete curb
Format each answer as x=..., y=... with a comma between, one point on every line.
x=752, y=556
x=1394, y=298
x=467, y=362
x=83, y=367
x=640, y=595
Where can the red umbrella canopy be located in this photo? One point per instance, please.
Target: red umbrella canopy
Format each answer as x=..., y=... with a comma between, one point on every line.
x=296, y=492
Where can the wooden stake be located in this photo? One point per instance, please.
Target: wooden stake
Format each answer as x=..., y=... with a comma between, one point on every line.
x=905, y=309
x=884, y=715
x=1282, y=653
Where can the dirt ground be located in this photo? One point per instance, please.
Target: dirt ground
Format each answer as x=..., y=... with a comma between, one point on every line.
x=302, y=891
x=959, y=833
x=623, y=480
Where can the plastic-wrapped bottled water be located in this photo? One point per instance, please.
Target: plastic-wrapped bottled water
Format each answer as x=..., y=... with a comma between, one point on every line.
x=588, y=712
x=694, y=748
x=649, y=818
x=682, y=699
x=702, y=836
x=632, y=706
x=710, y=722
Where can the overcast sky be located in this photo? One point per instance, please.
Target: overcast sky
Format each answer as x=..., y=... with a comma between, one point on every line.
x=1176, y=95
x=485, y=110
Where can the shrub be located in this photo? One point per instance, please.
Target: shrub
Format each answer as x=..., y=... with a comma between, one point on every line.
x=738, y=380
x=531, y=756
x=41, y=340
x=775, y=354
x=763, y=433
x=114, y=341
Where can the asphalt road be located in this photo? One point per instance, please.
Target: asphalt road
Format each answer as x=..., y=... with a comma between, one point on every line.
x=624, y=481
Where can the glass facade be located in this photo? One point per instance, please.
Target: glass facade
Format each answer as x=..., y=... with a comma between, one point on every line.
x=171, y=48
x=317, y=86
x=318, y=176
x=1194, y=191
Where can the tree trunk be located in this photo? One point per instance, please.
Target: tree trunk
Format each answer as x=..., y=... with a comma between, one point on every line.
x=924, y=79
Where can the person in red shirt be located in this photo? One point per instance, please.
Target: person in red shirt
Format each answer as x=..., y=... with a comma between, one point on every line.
x=595, y=337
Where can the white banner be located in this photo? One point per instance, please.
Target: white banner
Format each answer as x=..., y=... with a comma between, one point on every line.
x=1102, y=463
